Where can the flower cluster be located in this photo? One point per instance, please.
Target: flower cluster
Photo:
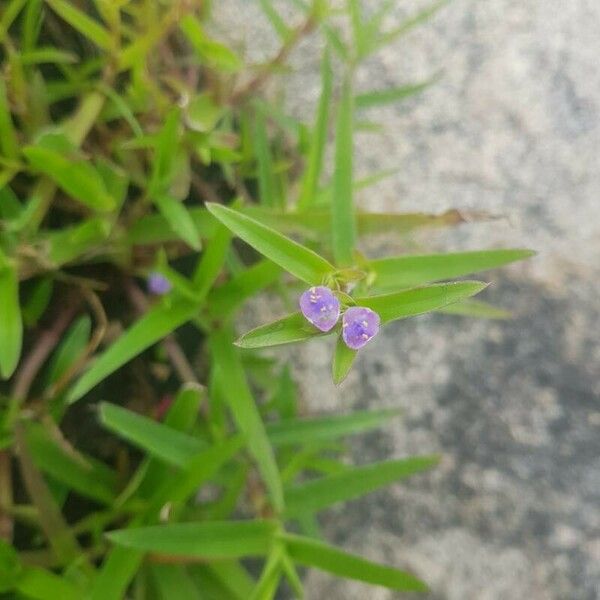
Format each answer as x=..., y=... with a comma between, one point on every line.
x=322, y=308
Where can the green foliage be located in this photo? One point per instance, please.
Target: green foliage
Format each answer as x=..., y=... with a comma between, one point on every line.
x=147, y=448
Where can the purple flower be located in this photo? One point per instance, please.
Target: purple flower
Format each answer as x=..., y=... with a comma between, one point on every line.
x=359, y=326
x=158, y=284
x=320, y=306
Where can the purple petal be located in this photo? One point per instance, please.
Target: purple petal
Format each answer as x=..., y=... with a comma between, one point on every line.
x=359, y=326
x=158, y=284
x=320, y=306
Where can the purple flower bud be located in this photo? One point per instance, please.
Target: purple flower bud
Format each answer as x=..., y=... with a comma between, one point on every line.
x=320, y=306
x=359, y=325
x=158, y=284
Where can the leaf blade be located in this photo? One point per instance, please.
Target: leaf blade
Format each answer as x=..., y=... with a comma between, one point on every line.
x=291, y=256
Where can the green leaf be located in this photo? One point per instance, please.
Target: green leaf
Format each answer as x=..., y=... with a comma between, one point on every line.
x=203, y=113
x=311, y=553
x=343, y=226
x=271, y=575
x=225, y=579
x=179, y=219
x=160, y=441
x=77, y=178
x=390, y=95
x=412, y=270
x=117, y=571
x=9, y=144
x=82, y=474
x=312, y=174
x=10, y=568
x=317, y=494
x=476, y=309
x=47, y=55
x=209, y=540
x=314, y=430
x=208, y=50
x=40, y=584
x=267, y=184
x=38, y=300
x=70, y=349
x=419, y=18
x=343, y=359
x=156, y=324
x=283, y=31
x=290, y=329
x=11, y=325
x=289, y=255
x=416, y=301
x=173, y=581
x=71, y=243
x=82, y=23
x=246, y=413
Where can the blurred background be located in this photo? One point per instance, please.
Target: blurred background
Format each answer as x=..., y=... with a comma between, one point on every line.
x=512, y=128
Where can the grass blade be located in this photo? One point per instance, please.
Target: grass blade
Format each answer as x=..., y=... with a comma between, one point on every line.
x=311, y=553
x=390, y=95
x=229, y=539
x=318, y=494
x=246, y=414
x=87, y=26
x=327, y=428
x=343, y=226
x=310, y=181
x=11, y=323
x=412, y=270
x=417, y=301
x=160, y=441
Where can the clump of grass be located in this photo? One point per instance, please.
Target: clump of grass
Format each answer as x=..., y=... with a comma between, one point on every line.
x=146, y=450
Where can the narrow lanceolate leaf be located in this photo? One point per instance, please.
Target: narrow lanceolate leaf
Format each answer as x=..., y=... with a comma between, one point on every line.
x=311, y=553
x=411, y=270
x=391, y=95
x=343, y=358
x=11, y=325
x=289, y=255
x=322, y=429
x=179, y=219
x=267, y=184
x=279, y=25
x=310, y=181
x=78, y=178
x=9, y=145
x=157, y=323
x=477, y=309
x=410, y=303
x=231, y=539
x=246, y=414
x=343, y=226
x=117, y=571
x=160, y=441
x=290, y=329
x=318, y=494
x=87, y=26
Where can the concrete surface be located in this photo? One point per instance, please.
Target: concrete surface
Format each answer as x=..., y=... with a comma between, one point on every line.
x=513, y=128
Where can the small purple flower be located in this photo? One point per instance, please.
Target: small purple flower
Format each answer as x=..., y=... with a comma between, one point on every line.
x=320, y=306
x=359, y=326
x=158, y=284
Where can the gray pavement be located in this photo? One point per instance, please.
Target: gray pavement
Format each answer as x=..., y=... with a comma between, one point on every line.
x=513, y=127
